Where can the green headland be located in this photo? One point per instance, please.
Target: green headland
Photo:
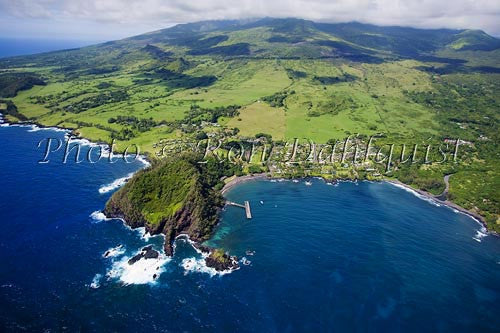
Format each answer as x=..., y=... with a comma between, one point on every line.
x=268, y=82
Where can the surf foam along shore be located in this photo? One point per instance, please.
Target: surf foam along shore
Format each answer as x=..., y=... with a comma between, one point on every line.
x=117, y=183
x=423, y=195
x=143, y=267
x=98, y=216
x=32, y=127
x=481, y=233
x=194, y=265
x=199, y=265
x=69, y=135
x=105, y=149
x=114, y=252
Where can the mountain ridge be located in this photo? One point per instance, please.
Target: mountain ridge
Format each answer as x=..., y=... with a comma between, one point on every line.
x=292, y=37
x=276, y=80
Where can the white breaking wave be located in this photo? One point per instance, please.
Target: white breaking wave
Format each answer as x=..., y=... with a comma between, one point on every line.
x=105, y=149
x=82, y=142
x=117, y=183
x=35, y=128
x=143, y=271
x=141, y=231
x=192, y=243
x=98, y=216
x=32, y=127
x=418, y=195
x=145, y=236
x=96, y=281
x=480, y=234
x=114, y=252
x=193, y=265
x=245, y=261
x=144, y=161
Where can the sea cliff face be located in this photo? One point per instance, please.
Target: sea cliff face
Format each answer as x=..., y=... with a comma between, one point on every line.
x=173, y=196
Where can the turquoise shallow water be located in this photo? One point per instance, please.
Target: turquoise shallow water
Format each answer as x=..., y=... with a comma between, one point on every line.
x=353, y=257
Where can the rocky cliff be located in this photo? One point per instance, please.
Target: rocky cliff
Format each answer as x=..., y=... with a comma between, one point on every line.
x=173, y=196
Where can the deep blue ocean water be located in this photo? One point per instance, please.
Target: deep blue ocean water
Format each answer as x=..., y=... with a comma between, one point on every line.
x=14, y=47
x=353, y=257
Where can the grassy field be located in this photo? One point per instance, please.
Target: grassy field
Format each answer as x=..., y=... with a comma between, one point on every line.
x=373, y=100
x=260, y=118
x=285, y=79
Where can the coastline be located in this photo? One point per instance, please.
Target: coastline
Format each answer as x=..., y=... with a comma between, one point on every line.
x=480, y=219
x=447, y=203
x=71, y=135
x=243, y=179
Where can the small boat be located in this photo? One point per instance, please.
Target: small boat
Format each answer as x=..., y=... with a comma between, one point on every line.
x=261, y=202
x=309, y=183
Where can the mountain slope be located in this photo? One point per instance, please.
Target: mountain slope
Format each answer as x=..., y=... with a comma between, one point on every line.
x=271, y=38
x=288, y=78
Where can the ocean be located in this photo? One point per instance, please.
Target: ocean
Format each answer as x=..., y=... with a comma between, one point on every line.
x=328, y=258
x=14, y=47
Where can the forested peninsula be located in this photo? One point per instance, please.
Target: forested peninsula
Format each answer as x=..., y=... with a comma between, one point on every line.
x=176, y=196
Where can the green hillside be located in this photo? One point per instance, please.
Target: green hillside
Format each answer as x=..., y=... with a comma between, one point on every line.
x=174, y=196
x=287, y=78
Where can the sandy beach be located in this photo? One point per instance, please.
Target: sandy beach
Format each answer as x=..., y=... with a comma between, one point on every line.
x=242, y=179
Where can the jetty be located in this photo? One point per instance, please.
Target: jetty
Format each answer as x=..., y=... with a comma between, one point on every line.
x=245, y=206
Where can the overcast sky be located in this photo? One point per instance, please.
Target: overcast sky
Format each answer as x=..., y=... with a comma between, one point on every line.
x=112, y=19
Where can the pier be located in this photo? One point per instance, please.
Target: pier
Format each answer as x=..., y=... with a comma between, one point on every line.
x=245, y=206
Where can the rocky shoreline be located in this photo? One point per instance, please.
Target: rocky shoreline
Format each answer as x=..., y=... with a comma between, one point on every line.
x=172, y=198
x=229, y=264
x=242, y=179
x=72, y=134
x=217, y=258
x=221, y=261
x=448, y=203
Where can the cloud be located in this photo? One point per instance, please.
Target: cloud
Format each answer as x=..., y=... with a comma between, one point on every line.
x=26, y=8
x=149, y=14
